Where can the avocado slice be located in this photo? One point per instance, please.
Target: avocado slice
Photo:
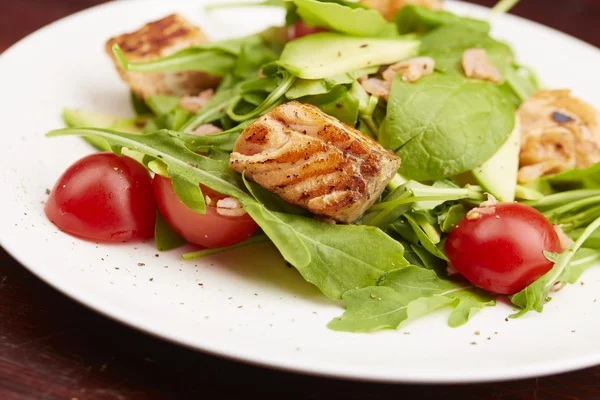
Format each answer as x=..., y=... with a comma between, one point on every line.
x=498, y=175
x=328, y=54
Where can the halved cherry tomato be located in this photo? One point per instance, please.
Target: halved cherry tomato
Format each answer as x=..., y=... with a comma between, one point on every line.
x=299, y=29
x=501, y=249
x=208, y=230
x=103, y=197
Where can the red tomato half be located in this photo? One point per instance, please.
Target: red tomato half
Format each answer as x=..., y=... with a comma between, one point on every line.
x=503, y=251
x=104, y=197
x=208, y=230
x=299, y=29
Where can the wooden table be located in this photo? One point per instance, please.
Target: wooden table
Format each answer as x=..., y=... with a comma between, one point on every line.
x=53, y=348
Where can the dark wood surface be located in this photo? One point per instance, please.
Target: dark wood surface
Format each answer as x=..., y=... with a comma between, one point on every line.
x=53, y=348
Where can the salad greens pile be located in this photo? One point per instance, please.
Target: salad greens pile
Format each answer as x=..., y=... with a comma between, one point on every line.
x=457, y=137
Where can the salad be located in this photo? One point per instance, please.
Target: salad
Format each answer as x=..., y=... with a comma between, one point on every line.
x=396, y=154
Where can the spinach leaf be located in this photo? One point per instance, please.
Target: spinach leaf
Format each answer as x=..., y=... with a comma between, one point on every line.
x=341, y=18
x=444, y=125
x=407, y=294
x=335, y=258
x=447, y=44
x=534, y=296
x=419, y=19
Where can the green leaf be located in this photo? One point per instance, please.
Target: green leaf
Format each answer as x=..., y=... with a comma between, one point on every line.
x=329, y=54
x=254, y=240
x=139, y=106
x=341, y=18
x=447, y=44
x=165, y=237
x=444, y=125
x=217, y=58
x=583, y=260
x=427, y=242
x=419, y=19
x=406, y=294
x=189, y=194
x=535, y=296
x=160, y=104
x=224, y=141
x=451, y=217
x=335, y=258
x=338, y=103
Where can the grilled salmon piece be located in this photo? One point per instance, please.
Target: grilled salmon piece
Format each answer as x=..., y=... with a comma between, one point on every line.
x=315, y=161
x=156, y=40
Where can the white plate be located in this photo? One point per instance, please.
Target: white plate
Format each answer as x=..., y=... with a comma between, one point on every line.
x=251, y=307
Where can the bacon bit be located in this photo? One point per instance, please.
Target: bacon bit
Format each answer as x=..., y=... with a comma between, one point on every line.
x=485, y=208
x=377, y=87
x=565, y=241
x=206, y=129
x=450, y=270
x=230, y=207
x=477, y=65
x=410, y=70
x=195, y=103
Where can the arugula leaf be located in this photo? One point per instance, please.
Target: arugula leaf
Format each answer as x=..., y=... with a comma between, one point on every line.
x=161, y=104
x=217, y=58
x=335, y=258
x=583, y=260
x=138, y=105
x=444, y=125
x=341, y=18
x=165, y=237
x=426, y=241
x=224, y=141
x=189, y=194
x=534, y=296
x=312, y=87
x=328, y=54
x=211, y=61
x=406, y=294
x=419, y=19
x=338, y=103
x=254, y=240
x=451, y=217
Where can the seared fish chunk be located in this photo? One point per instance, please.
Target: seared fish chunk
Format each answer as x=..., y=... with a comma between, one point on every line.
x=389, y=8
x=315, y=161
x=558, y=132
x=156, y=40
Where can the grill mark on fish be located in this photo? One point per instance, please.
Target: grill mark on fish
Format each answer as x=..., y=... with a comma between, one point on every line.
x=313, y=160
